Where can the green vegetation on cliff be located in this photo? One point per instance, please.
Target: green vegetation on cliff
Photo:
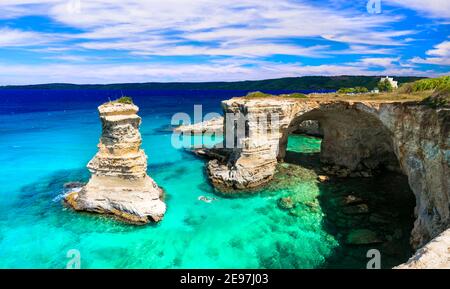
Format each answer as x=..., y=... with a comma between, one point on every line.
x=385, y=86
x=439, y=83
x=294, y=95
x=259, y=94
x=358, y=89
x=440, y=98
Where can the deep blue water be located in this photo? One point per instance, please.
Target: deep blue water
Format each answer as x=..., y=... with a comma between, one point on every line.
x=29, y=100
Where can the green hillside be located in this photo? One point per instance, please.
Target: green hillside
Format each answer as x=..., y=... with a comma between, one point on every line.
x=288, y=83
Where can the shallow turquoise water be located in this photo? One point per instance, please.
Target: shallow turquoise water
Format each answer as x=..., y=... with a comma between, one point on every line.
x=36, y=230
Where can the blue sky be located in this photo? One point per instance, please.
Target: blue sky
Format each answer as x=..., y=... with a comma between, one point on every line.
x=108, y=41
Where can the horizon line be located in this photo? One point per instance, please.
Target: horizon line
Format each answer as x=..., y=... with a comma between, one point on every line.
x=201, y=82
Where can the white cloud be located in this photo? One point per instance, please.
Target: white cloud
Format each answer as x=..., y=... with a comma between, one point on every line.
x=440, y=50
x=382, y=62
x=15, y=38
x=439, y=55
x=71, y=58
x=18, y=8
x=364, y=49
x=431, y=8
x=237, y=32
x=243, y=50
x=218, y=71
x=210, y=27
x=371, y=37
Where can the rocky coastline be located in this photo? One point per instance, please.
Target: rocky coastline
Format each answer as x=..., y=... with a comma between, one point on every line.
x=360, y=138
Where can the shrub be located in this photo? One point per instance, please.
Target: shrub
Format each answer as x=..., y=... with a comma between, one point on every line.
x=440, y=98
x=257, y=94
x=361, y=89
x=439, y=83
x=298, y=95
x=406, y=88
x=346, y=90
x=385, y=86
x=295, y=95
x=358, y=89
x=125, y=100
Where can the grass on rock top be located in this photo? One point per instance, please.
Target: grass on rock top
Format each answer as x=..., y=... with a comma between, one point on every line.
x=396, y=95
x=259, y=94
x=125, y=100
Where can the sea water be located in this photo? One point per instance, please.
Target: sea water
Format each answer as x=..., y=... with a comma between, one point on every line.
x=46, y=140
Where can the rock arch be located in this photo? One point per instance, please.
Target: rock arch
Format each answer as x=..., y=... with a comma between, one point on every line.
x=410, y=137
x=352, y=138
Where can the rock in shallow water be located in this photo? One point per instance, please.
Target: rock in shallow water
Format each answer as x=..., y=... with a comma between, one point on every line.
x=73, y=185
x=322, y=178
x=286, y=203
x=352, y=200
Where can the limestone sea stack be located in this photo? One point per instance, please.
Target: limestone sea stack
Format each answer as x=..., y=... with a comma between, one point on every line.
x=119, y=184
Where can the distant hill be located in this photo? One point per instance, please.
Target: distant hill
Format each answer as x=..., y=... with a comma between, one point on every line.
x=287, y=83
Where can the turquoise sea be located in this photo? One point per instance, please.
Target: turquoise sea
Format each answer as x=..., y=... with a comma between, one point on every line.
x=47, y=138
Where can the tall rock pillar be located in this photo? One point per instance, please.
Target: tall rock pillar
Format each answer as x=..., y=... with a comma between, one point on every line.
x=119, y=184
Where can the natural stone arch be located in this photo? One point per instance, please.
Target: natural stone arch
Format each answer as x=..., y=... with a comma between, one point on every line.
x=417, y=135
x=293, y=128
x=352, y=138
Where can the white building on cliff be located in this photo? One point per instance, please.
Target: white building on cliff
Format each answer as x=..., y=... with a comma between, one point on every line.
x=393, y=83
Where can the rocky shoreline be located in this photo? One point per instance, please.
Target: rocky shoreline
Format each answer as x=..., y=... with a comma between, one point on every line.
x=360, y=139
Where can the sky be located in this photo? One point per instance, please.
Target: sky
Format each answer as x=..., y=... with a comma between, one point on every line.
x=117, y=41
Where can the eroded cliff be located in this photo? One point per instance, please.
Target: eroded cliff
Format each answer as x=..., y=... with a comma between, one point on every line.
x=359, y=137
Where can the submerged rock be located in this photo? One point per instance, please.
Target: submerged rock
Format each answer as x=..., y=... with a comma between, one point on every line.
x=73, y=185
x=356, y=209
x=206, y=199
x=286, y=203
x=352, y=200
x=322, y=178
x=362, y=237
x=119, y=184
